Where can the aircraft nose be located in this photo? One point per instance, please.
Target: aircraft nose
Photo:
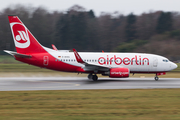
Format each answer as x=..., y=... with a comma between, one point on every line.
x=173, y=65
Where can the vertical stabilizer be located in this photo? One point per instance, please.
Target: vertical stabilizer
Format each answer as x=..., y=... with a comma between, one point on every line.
x=24, y=41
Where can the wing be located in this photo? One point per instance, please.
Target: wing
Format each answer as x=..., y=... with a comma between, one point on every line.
x=89, y=66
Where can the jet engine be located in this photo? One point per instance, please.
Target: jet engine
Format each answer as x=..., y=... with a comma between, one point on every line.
x=118, y=73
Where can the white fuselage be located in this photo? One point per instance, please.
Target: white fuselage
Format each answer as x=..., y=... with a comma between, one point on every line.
x=135, y=62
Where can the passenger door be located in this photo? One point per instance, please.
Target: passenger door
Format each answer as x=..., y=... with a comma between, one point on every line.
x=155, y=62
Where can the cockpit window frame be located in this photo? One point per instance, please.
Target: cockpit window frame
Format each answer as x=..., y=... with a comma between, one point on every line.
x=165, y=60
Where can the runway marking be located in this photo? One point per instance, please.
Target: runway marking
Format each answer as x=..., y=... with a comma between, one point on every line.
x=77, y=85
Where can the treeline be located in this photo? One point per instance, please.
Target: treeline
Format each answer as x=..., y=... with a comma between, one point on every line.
x=154, y=32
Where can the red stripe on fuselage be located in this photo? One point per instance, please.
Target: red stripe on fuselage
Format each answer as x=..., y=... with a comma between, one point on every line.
x=37, y=59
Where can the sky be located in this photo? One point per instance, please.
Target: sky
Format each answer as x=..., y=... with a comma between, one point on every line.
x=109, y=6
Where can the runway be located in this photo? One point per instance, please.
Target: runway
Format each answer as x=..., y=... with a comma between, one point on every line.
x=81, y=83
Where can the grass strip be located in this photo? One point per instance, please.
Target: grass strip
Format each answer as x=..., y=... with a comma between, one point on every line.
x=91, y=104
x=21, y=68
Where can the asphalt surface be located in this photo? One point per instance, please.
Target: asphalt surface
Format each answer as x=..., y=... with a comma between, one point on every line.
x=81, y=83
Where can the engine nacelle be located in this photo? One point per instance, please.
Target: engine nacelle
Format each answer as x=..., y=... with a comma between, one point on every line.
x=119, y=72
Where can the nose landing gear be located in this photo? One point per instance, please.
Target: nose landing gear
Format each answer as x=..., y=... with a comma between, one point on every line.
x=156, y=78
x=157, y=74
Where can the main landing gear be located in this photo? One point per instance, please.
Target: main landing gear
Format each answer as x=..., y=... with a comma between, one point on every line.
x=93, y=77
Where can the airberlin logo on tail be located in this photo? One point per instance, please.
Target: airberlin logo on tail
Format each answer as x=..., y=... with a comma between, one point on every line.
x=20, y=35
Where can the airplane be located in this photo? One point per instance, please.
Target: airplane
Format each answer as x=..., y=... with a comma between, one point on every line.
x=114, y=65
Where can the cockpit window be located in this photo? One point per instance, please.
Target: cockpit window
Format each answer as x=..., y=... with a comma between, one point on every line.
x=165, y=60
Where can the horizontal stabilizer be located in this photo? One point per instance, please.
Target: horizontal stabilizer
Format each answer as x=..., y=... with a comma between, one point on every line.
x=17, y=54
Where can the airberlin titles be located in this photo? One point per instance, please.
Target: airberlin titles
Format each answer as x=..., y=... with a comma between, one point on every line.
x=137, y=60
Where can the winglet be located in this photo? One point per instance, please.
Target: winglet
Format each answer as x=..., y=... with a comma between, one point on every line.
x=78, y=58
x=54, y=47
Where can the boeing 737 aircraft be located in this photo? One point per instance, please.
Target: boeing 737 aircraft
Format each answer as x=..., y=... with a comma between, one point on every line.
x=114, y=65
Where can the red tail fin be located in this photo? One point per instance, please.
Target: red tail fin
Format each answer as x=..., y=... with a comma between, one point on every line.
x=24, y=41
